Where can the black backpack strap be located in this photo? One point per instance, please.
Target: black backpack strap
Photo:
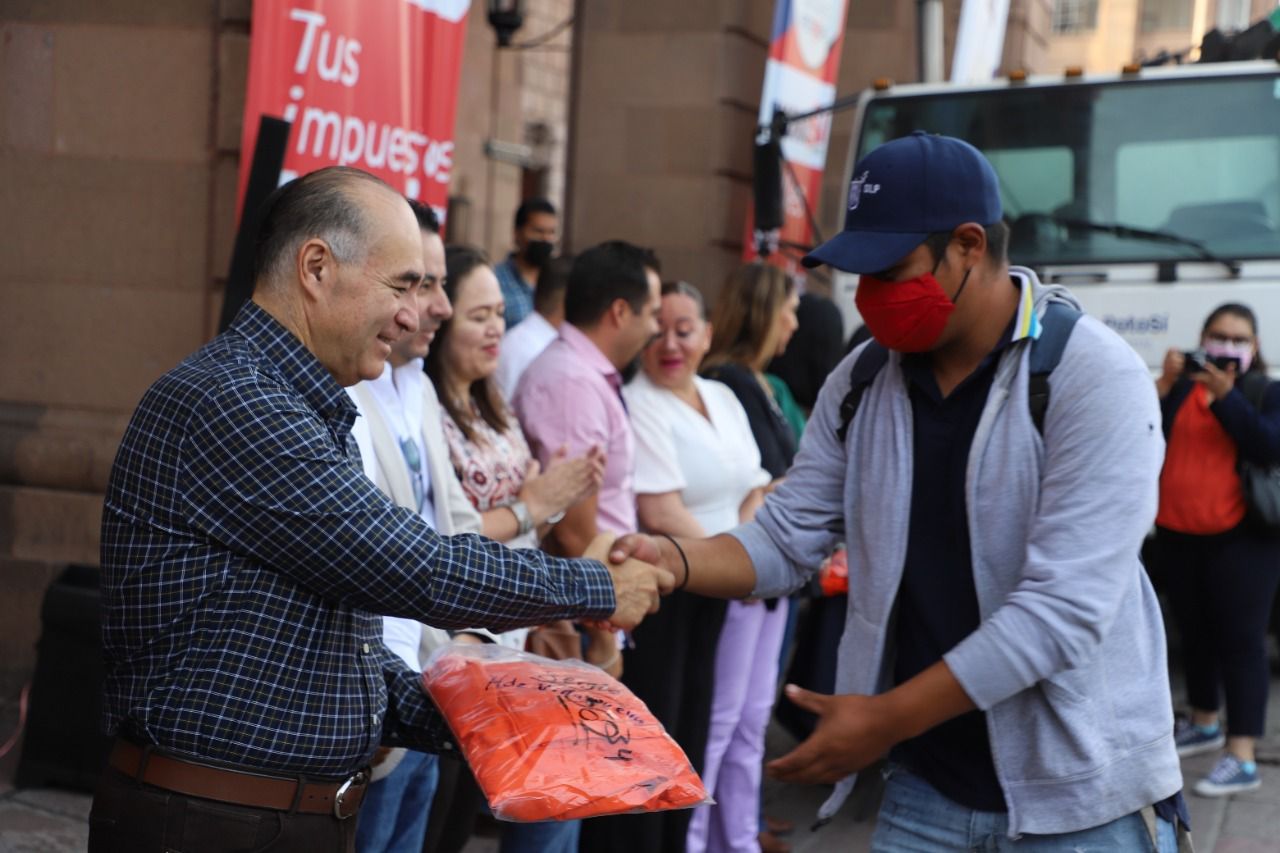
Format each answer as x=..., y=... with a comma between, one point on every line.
x=869, y=362
x=1059, y=320
x=1046, y=351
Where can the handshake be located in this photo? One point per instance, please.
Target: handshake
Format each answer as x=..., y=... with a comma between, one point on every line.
x=641, y=574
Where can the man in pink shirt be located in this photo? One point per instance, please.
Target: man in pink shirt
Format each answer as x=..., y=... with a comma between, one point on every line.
x=570, y=396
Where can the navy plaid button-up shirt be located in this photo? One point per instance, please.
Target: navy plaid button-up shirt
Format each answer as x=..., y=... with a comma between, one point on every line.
x=245, y=557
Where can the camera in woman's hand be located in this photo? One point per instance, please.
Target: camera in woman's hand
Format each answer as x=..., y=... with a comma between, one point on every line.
x=1195, y=361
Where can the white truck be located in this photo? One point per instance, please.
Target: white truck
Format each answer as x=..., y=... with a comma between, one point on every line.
x=1153, y=194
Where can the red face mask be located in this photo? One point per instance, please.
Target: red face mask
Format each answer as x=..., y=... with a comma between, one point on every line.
x=907, y=316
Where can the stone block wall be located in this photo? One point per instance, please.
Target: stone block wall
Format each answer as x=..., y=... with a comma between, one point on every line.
x=662, y=125
x=510, y=95
x=119, y=124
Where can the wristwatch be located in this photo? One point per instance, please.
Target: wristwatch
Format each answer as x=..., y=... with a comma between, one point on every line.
x=523, y=517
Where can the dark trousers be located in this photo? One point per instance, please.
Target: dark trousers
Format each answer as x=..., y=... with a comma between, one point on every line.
x=454, y=808
x=672, y=670
x=129, y=817
x=813, y=664
x=1221, y=589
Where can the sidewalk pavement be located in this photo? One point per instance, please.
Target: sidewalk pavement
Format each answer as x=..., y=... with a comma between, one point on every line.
x=56, y=821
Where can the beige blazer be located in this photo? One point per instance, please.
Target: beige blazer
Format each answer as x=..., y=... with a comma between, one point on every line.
x=453, y=510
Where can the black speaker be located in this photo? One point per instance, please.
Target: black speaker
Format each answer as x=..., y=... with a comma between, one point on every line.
x=264, y=175
x=767, y=184
x=63, y=745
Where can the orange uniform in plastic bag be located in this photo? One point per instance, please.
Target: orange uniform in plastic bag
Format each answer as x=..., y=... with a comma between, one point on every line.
x=556, y=740
x=833, y=576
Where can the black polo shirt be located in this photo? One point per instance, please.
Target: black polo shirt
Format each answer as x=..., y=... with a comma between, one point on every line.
x=937, y=601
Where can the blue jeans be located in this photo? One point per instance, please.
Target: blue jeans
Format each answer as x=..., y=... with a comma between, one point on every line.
x=393, y=817
x=552, y=836
x=915, y=817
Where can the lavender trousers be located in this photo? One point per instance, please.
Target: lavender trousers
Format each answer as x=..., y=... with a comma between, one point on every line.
x=745, y=686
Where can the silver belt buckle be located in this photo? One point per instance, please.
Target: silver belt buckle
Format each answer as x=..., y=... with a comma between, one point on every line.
x=357, y=781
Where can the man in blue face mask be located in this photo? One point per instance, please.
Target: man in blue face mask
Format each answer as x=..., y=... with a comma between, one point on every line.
x=1003, y=647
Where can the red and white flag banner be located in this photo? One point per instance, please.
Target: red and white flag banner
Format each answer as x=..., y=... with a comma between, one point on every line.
x=800, y=75
x=366, y=83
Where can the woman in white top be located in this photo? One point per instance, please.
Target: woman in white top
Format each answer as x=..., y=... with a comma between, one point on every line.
x=698, y=474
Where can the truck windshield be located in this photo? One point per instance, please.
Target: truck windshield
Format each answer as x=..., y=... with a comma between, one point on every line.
x=1196, y=159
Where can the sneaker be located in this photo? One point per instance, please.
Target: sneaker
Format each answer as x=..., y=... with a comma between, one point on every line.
x=1194, y=740
x=1229, y=776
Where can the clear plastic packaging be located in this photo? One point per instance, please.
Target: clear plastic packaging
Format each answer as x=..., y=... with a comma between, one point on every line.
x=556, y=739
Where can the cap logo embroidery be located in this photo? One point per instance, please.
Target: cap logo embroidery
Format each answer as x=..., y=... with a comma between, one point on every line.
x=859, y=186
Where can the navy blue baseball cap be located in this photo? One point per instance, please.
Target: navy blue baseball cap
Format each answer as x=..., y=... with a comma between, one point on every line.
x=904, y=191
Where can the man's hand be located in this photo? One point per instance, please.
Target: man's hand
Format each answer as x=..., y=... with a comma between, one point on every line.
x=852, y=732
x=718, y=567
x=636, y=545
x=636, y=584
x=649, y=549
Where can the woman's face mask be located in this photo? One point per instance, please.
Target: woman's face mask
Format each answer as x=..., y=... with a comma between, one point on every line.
x=1231, y=336
x=1230, y=349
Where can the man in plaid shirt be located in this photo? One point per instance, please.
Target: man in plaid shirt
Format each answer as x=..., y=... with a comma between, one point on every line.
x=246, y=559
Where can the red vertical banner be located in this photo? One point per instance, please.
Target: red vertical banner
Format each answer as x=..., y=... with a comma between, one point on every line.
x=371, y=84
x=800, y=75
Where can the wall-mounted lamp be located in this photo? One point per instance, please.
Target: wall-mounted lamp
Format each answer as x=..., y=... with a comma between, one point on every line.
x=506, y=16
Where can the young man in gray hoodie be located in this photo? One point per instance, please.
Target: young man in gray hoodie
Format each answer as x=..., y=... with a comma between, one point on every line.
x=1003, y=645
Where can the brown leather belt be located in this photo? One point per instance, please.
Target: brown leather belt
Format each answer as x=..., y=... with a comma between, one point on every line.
x=239, y=787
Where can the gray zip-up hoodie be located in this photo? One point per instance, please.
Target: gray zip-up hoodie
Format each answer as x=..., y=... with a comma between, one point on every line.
x=1069, y=660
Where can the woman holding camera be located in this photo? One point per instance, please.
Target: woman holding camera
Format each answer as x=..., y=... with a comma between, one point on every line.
x=1221, y=567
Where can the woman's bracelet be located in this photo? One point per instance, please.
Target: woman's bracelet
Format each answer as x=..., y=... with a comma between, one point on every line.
x=607, y=665
x=683, y=558
x=524, y=518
